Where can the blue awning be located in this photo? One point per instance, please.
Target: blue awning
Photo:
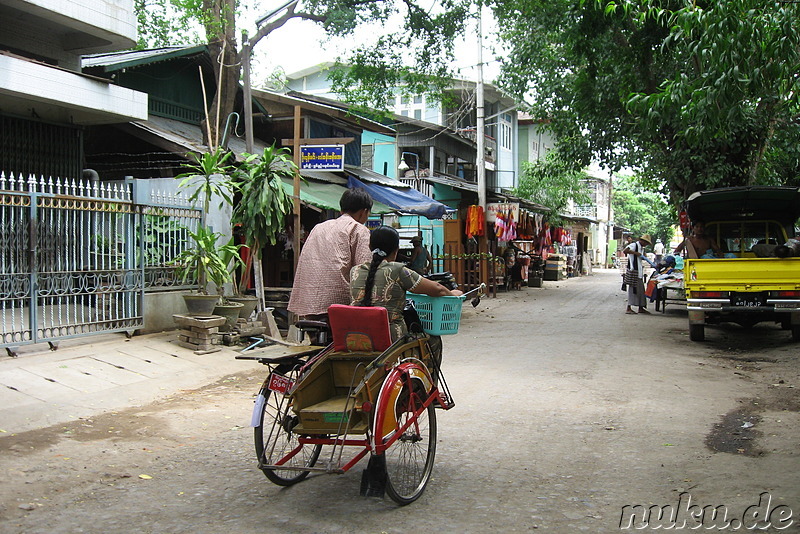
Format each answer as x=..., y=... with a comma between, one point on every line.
x=406, y=200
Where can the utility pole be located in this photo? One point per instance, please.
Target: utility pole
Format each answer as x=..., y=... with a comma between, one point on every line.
x=480, y=139
x=247, y=49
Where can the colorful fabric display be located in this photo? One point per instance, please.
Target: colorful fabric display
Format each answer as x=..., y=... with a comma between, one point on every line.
x=476, y=221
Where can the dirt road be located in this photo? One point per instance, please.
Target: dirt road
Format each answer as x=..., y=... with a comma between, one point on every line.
x=567, y=411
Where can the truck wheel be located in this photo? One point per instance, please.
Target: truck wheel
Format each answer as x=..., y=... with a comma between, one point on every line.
x=795, y=332
x=697, y=332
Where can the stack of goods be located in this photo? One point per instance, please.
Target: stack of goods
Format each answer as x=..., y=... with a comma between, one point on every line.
x=556, y=267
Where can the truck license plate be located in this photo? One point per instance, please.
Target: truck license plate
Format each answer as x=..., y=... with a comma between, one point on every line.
x=279, y=383
x=748, y=300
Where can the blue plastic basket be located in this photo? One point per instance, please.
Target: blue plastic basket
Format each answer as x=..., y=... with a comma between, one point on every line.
x=440, y=316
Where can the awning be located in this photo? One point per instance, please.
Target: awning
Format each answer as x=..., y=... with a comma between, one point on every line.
x=405, y=200
x=326, y=196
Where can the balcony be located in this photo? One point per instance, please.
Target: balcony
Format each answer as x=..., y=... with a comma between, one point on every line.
x=586, y=211
x=489, y=145
x=80, y=26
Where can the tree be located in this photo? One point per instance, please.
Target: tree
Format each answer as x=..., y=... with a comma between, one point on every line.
x=642, y=211
x=419, y=36
x=553, y=182
x=695, y=94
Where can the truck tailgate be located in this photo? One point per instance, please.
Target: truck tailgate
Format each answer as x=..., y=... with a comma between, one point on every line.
x=742, y=274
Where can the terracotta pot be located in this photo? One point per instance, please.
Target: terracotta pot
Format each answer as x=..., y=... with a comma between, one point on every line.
x=199, y=305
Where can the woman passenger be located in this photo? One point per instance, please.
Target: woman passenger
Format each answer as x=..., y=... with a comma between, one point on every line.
x=384, y=281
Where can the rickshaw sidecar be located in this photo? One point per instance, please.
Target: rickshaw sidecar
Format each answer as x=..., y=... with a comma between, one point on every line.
x=366, y=391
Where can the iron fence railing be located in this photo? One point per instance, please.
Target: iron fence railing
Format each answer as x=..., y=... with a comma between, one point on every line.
x=76, y=256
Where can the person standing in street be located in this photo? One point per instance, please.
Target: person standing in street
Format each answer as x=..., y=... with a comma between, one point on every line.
x=658, y=250
x=634, y=274
x=331, y=250
x=420, y=257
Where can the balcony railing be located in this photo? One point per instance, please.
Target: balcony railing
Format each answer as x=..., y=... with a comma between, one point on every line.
x=586, y=211
x=489, y=142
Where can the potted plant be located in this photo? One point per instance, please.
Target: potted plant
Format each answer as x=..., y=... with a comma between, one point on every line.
x=208, y=176
x=205, y=261
x=228, y=307
x=263, y=206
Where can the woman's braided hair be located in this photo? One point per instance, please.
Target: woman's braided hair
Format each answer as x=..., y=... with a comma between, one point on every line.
x=383, y=241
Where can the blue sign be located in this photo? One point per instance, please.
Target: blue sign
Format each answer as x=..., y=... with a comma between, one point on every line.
x=322, y=157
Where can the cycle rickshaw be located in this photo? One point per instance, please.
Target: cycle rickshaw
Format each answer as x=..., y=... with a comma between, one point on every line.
x=362, y=392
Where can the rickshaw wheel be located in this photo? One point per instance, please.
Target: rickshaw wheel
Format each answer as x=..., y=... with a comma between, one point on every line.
x=274, y=438
x=409, y=460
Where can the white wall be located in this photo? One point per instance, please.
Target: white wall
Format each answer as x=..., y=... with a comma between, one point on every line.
x=113, y=20
x=88, y=101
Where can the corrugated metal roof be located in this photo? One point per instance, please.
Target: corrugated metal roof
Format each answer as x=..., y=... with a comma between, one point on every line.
x=189, y=136
x=455, y=183
x=131, y=58
x=374, y=177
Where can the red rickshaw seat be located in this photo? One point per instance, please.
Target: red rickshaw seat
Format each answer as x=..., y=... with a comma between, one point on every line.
x=359, y=328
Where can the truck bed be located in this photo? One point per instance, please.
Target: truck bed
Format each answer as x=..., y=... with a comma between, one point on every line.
x=742, y=274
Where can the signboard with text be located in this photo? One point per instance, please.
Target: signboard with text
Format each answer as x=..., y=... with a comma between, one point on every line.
x=492, y=208
x=322, y=157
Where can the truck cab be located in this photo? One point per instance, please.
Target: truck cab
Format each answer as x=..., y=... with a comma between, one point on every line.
x=758, y=279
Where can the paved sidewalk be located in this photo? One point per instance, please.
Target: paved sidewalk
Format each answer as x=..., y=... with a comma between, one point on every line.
x=91, y=375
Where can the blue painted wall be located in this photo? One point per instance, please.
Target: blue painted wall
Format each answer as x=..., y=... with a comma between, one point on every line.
x=383, y=161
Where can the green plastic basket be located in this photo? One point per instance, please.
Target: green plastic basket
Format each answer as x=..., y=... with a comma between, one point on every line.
x=440, y=316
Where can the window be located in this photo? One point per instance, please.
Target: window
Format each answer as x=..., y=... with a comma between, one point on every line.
x=367, y=156
x=740, y=237
x=505, y=131
x=411, y=106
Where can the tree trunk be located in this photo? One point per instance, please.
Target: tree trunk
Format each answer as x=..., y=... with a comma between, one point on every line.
x=221, y=33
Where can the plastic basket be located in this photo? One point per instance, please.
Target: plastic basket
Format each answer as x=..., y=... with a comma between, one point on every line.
x=440, y=316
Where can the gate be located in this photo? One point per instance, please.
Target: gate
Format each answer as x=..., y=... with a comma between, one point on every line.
x=77, y=256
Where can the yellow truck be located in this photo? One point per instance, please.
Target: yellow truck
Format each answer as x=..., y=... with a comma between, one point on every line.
x=759, y=277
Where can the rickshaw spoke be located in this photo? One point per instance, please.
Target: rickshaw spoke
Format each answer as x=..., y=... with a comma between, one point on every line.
x=274, y=437
x=409, y=460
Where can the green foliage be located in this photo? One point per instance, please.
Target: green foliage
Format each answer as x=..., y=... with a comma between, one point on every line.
x=207, y=176
x=264, y=203
x=160, y=235
x=413, y=47
x=695, y=94
x=163, y=23
x=416, y=56
x=553, y=182
x=642, y=211
x=207, y=261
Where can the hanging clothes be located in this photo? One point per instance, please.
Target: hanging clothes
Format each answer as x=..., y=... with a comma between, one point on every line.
x=510, y=231
x=499, y=225
x=476, y=221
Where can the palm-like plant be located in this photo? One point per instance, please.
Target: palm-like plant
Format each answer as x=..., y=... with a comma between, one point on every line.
x=207, y=261
x=264, y=203
x=208, y=176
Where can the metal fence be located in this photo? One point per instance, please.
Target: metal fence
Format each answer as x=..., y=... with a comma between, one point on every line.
x=76, y=256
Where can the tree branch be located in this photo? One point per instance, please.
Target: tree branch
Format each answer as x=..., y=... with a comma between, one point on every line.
x=288, y=15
